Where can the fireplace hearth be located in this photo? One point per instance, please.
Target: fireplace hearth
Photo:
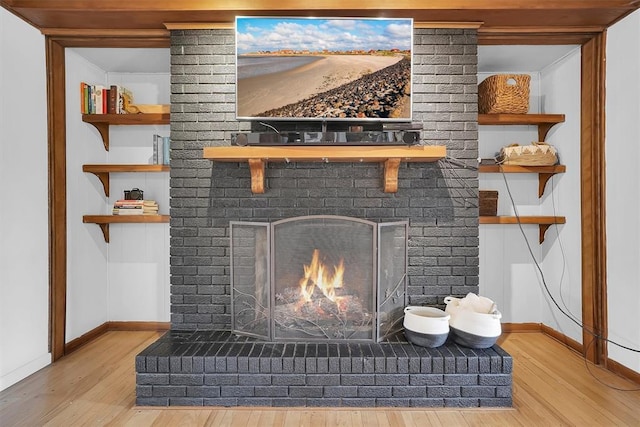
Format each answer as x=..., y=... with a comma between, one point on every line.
x=217, y=368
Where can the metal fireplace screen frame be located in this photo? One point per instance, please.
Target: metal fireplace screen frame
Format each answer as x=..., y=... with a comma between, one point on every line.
x=264, y=290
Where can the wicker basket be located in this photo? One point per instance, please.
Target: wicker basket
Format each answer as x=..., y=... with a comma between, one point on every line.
x=504, y=93
x=534, y=154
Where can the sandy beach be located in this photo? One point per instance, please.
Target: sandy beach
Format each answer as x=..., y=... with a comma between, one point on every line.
x=262, y=93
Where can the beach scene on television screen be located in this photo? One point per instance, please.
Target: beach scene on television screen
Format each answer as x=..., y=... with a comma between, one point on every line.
x=323, y=68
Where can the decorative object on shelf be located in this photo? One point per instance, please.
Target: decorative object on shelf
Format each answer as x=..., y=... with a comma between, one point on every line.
x=133, y=194
x=504, y=93
x=488, y=203
x=147, y=108
x=534, y=154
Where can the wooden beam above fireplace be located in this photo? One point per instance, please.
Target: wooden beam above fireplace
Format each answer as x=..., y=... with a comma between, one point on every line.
x=522, y=16
x=390, y=156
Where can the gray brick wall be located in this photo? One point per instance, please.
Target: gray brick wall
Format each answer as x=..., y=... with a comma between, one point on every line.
x=439, y=199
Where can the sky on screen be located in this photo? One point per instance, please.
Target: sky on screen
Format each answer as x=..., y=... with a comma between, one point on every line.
x=271, y=34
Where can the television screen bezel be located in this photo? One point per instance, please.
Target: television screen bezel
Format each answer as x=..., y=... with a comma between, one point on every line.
x=364, y=120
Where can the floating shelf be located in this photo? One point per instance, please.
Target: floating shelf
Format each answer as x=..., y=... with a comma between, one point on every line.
x=544, y=222
x=104, y=220
x=391, y=156
x=544, y=172
x=103, y=171
x=544, y=121
x=103, y=121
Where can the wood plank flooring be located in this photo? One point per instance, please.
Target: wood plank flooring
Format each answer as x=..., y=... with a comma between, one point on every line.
x=95, y=386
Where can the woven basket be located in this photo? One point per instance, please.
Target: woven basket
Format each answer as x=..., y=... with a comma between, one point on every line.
x=534, y=154
x=504, y=93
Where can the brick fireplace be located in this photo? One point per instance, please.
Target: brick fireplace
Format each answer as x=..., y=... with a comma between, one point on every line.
x=199, y=362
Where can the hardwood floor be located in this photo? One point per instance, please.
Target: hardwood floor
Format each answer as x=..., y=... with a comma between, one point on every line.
x=95, y=386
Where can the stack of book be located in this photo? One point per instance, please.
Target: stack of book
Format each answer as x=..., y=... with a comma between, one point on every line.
x=100, y=99
x=135, y=207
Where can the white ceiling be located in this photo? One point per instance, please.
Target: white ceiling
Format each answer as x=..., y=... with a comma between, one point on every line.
x=491, y=59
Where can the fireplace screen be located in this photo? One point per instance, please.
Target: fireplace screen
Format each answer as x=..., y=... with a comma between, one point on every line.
x=318, y=278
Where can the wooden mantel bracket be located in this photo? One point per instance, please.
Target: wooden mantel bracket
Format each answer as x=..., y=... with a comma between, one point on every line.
x=256, y=166
x=391, y=175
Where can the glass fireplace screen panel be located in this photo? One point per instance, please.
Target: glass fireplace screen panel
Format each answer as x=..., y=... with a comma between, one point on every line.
x=392, y=277
x=250, y=293
x=323, y=279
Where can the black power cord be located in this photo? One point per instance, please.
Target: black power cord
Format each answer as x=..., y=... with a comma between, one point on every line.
x=566, y=312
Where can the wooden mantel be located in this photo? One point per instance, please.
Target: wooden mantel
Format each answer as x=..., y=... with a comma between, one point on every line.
x=389, y=155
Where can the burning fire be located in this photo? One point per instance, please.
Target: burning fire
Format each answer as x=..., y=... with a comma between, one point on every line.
x=316, y=275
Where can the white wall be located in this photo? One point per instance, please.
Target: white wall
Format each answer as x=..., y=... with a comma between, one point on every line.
x=508, y=273
x=623, y=188
x=24, y=269
x=128, y=278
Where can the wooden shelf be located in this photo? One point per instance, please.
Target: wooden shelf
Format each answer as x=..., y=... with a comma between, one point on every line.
x=103, y=171
x=544, y=121
x=543, y=222
x=104, y=220
x=544, y=172
x=389, y=155
x=103, y=121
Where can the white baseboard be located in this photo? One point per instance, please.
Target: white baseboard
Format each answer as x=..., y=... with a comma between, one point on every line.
x=24, y=371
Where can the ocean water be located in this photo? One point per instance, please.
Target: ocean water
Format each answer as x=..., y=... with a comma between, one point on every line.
x=253, y=66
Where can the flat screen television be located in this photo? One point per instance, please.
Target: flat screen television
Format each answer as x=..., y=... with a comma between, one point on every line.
x=356, y=69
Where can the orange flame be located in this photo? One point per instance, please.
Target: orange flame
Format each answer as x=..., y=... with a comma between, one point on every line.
x=316, y=275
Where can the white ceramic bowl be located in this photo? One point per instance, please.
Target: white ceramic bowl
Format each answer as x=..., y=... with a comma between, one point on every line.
x=426, y=326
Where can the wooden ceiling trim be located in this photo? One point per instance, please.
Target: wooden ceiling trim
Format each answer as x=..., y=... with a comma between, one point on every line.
x=105, y=33
x=440, y=24
x=199, y=25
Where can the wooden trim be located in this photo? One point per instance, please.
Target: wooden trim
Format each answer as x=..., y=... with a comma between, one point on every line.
x=508, y=38
x=558, y=336
x=95, y=333
x=445, y=24
x=230, y=25
x=623, y=371
x=106, y=33
x=85, y=338
x=112, y=41
x=138, y=326
x=521, y=327
x=56, y=127
x=593, y=199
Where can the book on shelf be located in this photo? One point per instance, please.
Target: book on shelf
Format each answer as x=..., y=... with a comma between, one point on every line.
x=101, y=99
x=161, y=147
x=166, y=146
